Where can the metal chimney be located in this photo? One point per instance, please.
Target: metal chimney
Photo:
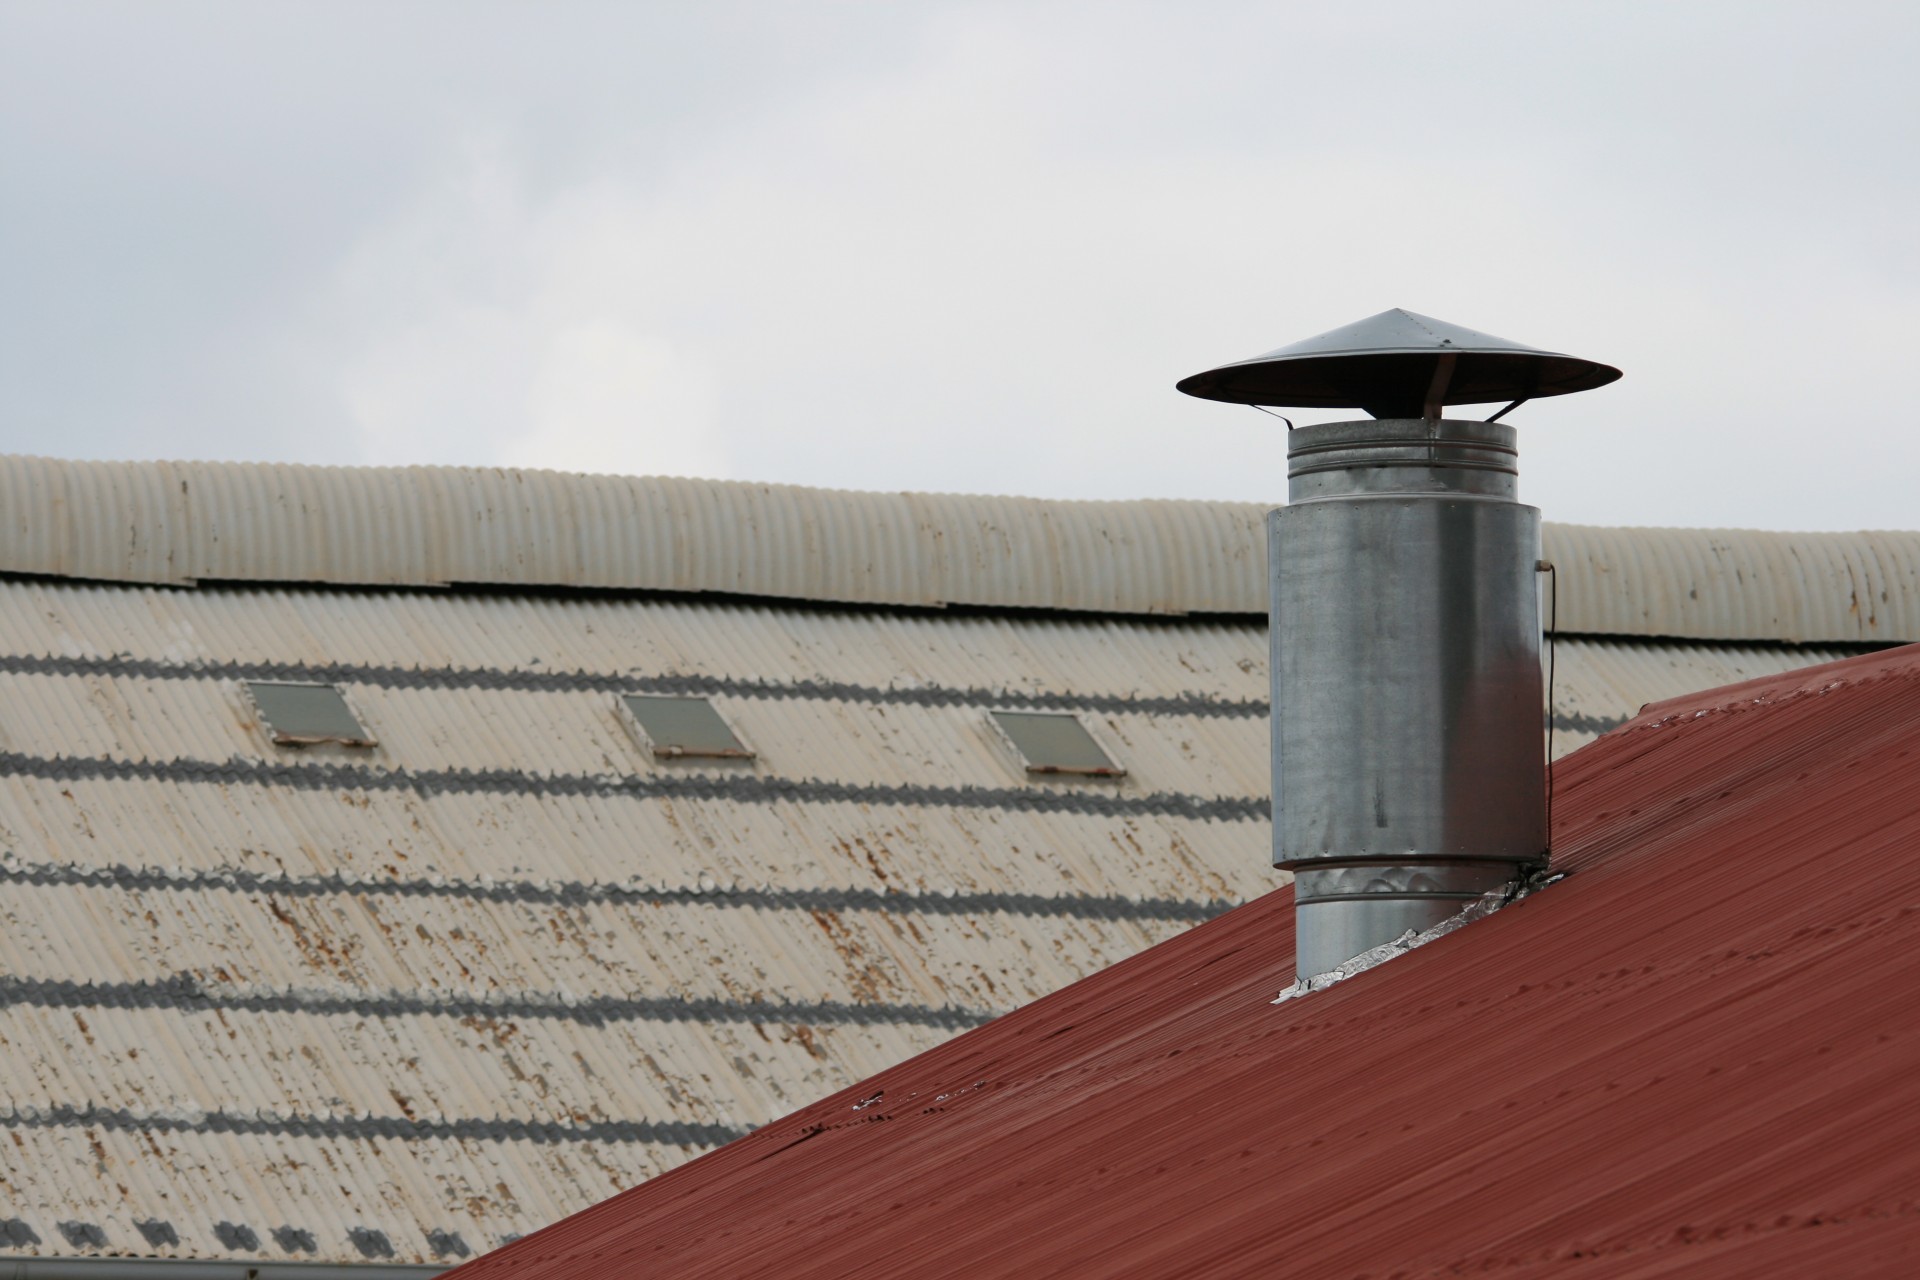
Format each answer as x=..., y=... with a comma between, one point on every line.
x=1409, y=775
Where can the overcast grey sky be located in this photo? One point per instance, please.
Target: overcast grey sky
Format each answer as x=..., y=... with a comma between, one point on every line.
x=961, y=246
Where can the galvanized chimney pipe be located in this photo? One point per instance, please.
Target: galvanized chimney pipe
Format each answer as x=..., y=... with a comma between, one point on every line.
x=1408, y=771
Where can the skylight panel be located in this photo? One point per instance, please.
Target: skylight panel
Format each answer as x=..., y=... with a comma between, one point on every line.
x=305, y=714
x=1055, y=742
x=674, y=727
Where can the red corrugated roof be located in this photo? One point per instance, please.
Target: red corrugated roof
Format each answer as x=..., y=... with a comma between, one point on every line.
x=1698, y=1055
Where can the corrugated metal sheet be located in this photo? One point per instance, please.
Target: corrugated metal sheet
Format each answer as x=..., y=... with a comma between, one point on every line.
x=1697, y=1055
x=181, y=522
x=474, y=986
x=479, y=976
x=1738, y=584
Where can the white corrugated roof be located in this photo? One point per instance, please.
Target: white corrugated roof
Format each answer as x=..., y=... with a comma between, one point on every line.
x=182, y=522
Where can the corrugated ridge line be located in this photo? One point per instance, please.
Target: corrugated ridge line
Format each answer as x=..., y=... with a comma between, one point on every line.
x=588, y=838
x=363, y=1128
x=396, y=677
x=441, y=1067
x=370, y=943
x=180, y=522
x=184, y=991
x=580, y=893
x=445, y=1063
x=323, y=777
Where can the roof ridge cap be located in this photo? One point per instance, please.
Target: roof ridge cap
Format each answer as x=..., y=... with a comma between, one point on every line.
x=1902, y=662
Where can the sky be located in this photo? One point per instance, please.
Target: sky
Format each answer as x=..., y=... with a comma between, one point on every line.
x=961, y=246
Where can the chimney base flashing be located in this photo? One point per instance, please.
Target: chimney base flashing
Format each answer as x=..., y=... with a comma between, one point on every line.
x=1344, y=911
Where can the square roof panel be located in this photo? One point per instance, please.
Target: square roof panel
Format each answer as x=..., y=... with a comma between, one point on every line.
x=1055, y=742
x=300, y=714
x=674, y=726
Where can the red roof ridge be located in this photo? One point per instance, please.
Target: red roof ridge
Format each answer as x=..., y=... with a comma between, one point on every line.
x=1902, y=661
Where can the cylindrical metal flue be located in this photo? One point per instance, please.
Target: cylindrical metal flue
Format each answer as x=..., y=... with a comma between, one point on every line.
x=1408, y=767
x=1409, y=775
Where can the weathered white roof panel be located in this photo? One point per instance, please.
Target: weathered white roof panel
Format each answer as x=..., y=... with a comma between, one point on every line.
x=183, y=522
x=1730, y=584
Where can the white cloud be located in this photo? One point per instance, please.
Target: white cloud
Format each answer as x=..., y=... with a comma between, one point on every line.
x=608, y=398
x=973, y=245
x=481, y=328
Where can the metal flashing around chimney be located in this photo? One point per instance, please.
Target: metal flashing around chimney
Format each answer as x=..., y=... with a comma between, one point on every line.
x=1409, y=771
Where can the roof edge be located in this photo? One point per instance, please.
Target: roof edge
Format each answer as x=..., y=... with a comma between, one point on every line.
x=175, y=523
x=135, y=1268
x=1893, y=663
x=178, y=523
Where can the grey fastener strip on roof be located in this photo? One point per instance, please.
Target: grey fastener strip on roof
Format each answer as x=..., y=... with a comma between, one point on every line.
x=580, y=893
x=386, y=677
x=183, y=991
x=738, y=789
x=361, y=1128
x=1586, y=723
x=1190, y=704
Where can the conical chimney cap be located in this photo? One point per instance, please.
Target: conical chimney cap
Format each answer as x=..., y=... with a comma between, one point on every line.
x=1389, y=365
